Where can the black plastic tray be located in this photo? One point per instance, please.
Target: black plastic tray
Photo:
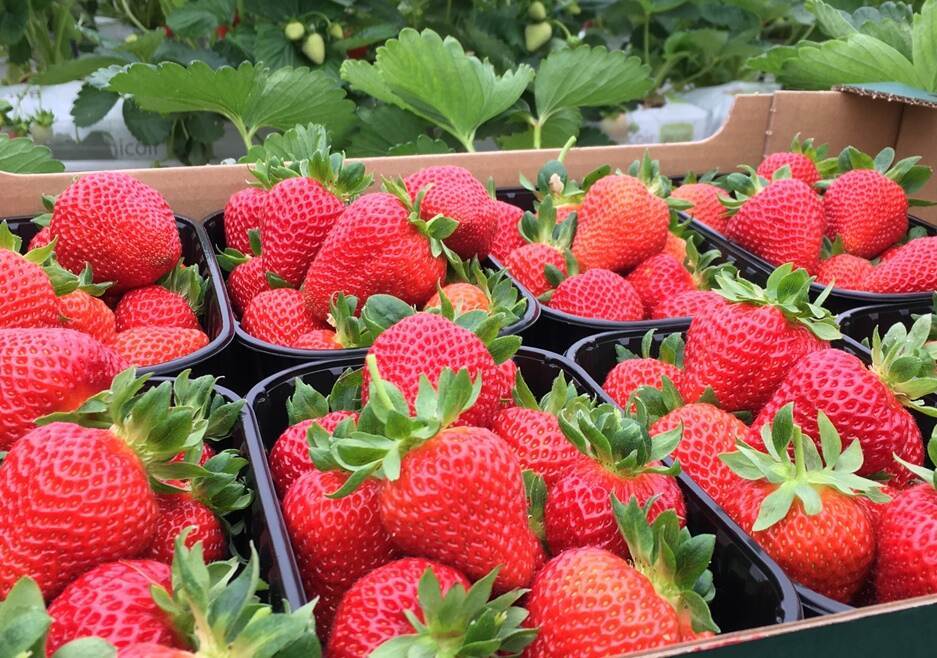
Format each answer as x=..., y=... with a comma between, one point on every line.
x=751, y=590
x=255, y=359
x=596, y=356
x=859, y=323
x=263, y=521
x=217, y=320
x=840, y=299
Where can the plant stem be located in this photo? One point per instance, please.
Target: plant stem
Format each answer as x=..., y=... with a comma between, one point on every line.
x=246, y=135
x=538, y=132
x=647, y=39
x=799, y=465
x=131, y=17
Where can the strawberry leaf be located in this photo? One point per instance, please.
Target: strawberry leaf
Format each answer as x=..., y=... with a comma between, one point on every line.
x=21, y=156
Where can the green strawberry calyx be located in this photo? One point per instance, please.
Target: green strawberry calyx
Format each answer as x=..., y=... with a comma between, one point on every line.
x=809, y=471
x=905, y=362
x=386, y=430
x=562, y=396
x=502, y=292
x=652, y=403
x=24, y=624
x=746, y=185
x=462, y=623
x=436, y=229
x=553, y=180
x=541, y=227
x=910, y=175
x=229, y=257
x=926, y=475
x=704, y=267
x=670, y=350
x=788, y=290
x=346, y=180
x=187, y=282
x=222, y=488
x=306, y=403
x=676, y=562
x=619, y=442
x=215, y=607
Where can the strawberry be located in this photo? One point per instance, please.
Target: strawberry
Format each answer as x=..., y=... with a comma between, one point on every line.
x=122, y=227
x=176, y=300
x=598, y=293
x=455, y=193
x=56, y=521
x=318, y=339
x=907, y=538
x=633, y=372
x=29, y=296
x=547, y=244
x=423, y=345
x=397, y=610
x=428, y=464
x=688, y=304
x=675, y=247
x=151, y=650
x=247, y=276
x=706, y=207
x=623, y=459
x=86, y=313
x=380, y=245
x=41, y=239
x=780, y=220
x=803, y=159
x=532, y=430
x=302, y=206
x=43, y=371
x=243, y=213
x=746, y=348
x=659, y=278
x=464, y=297
x=866, y=404
x=278, y=316
x=289, y=456
x=507, y=232
x=374, y=609
x=912, y=269
x=867, y=204
x=591, y=603
x=844, y=271
x=112, y=601
x=150, y=346
x=803, y=512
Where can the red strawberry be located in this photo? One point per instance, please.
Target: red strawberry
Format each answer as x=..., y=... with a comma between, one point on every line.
x=454, y=192
x=420, y=500
x=243, y=213
x=618, y=225
x=548, y=242
x=532, y=430
x=150, y=346
x=175, y=301
x=246, y=281
x=598, y=294
x=29, y=296
x=113, y=602
x=278, y=316
x=745, y=349
x=912, y=269
x=706, y=205
x=372, y=610
x=464, y=297
x=675, y=247
x=122, y=227
x=866, y=404
x=507, y=234
x=47, y=370
x=688, y=304
x=41, y=239
x=802, y=160
x=151, y=650
x=626, y=462
x=88, y=314
x=378, y=246
x=659, y=278
x=811, y=525
x=867, y=206
x=632, y=372
x=424, y=345
x=781, y=221
x=590, y=603
x=844, y=271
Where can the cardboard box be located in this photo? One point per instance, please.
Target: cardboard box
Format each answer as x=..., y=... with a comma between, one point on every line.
x=757, y=124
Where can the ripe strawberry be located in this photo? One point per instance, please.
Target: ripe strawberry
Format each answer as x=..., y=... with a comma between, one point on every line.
x=289, y=456
x=56, y=521
x=278, y=316
x=591, y=603
x=464, y=297
x=112, y=601
x=662, y=277
x=84, y=312
x=675, y=247
x=373, y=609
x=780, y=220
x=455, y=193
x=151, y=650
x=425, y=344
x=532, y=430
x=176, y=300
x=907, y=538
x=618, y=225
x=243, y=213
x=28, y=292
x=378, y=246
x=803, y=160
x=745, y=349
x=429, y=463
x=150, y=346
x=706, y=206
x=247, y=275
x=867, y=206
x=600, y=294
x=912, y=269
x=507, y=234
x=47, y=370
x=528, y=264
x=633, y=371
x=866, y=404
x=804, y=512
x=688, y=304
x=844, y=271
x=41, y=239
x=624, y=462
x=122, y=227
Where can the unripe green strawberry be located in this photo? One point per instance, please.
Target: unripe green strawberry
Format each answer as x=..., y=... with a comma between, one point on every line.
x=294, y=30
x=314, y=48
x=536, y=11
x=536, y=35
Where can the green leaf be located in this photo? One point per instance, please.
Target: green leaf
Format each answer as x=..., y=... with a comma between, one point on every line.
x=775, y=506
x=297, y=143
x=384, y=127
x=199, y=18
x=924, y=45
x=21, y=156
x=148, y=127
x=13, y=20
x=273, y=48
x=560, y=126
x=86, y=647
x=76, y=69
x=433, y=78
x=422, y=145
x=834, y=22
x=91, y=105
